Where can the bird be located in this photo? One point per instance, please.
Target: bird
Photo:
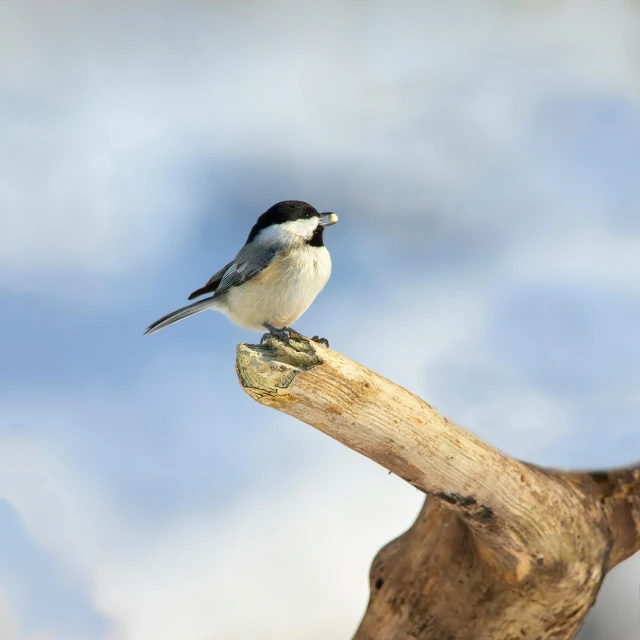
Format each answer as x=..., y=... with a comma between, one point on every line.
x=274, y=278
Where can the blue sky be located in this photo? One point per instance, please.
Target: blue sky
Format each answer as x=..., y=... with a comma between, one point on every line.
x=483, y=160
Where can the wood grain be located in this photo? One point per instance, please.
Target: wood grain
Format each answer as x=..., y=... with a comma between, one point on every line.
x=501, y=550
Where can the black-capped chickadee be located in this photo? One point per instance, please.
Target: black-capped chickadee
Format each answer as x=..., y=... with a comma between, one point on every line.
x=274, y=278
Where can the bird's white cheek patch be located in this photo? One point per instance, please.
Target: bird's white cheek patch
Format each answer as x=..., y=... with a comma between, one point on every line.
x=302, y=228
x=294, y=229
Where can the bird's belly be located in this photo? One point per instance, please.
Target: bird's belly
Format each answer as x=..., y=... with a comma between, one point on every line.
x=282, y=292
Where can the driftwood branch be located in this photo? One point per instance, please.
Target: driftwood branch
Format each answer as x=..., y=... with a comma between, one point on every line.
x=501, y=550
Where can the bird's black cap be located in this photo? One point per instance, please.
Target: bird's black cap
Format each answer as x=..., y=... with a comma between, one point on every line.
x=284, y=211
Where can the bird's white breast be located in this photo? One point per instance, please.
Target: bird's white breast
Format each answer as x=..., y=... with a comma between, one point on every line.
x=283, y=291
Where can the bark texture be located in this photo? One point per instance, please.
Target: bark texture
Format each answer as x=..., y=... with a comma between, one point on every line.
x=502, y=549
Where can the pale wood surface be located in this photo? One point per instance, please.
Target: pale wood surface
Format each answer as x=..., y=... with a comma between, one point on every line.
x=501, y=549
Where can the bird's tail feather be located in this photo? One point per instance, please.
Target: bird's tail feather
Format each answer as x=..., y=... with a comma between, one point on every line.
x=180, y=314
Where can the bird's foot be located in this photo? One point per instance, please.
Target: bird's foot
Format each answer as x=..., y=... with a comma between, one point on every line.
x=287, y=332
x=292, y=332
x=295, y=334
x=282, y=334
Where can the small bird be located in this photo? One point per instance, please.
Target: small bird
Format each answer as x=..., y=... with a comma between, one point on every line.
x=274, y=278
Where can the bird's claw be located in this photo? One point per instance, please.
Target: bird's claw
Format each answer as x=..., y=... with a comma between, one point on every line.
x=282, y=334
x=287, y=332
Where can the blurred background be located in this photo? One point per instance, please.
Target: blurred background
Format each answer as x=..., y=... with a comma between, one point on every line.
x=483, y=157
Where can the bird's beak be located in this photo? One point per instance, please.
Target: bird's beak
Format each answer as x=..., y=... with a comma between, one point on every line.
x=327, y=219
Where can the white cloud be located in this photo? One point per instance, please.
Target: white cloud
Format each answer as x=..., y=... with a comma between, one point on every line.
x=281, y=564
x=431, y=118
x=617, y=611
x=595, y=255
x=102, y=112
x=8, y=624
x=9, y=627
x=274, y=566
x=288, y=556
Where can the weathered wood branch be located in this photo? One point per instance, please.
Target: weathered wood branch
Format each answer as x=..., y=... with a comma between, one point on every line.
x=502, y=549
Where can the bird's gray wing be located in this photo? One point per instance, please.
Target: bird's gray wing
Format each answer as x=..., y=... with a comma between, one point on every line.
x=248, y=264
x=212, y=284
